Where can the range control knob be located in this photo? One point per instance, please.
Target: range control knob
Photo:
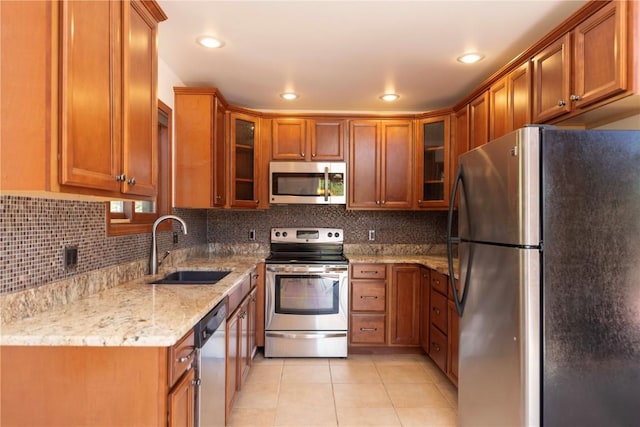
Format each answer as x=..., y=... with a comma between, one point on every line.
x=330, y=234
x=284, y=234
x=277, y=234
x=337, y=235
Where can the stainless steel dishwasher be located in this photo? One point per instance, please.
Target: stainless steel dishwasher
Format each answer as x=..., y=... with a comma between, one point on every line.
x=210, y=341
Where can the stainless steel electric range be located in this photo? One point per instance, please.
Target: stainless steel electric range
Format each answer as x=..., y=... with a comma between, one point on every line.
x=306, y=295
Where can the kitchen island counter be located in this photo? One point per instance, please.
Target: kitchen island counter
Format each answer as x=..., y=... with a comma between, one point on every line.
x=134, y=313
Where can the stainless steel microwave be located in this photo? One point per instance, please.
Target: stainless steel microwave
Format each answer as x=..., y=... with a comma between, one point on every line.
x=308, y=183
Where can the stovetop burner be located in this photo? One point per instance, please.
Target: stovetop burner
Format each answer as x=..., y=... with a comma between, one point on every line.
x=306, y=246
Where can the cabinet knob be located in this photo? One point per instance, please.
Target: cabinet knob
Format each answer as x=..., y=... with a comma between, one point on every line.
x=419, y=200
x=436, y=310
x=561, y=103
x=575, y=97
x=302, y=154
x=257, y=202
x=313, y=154
x=436, y=347
x=131, y=181
x=121, y=178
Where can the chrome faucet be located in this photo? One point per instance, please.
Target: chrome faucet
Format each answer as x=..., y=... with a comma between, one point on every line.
x=153, y=262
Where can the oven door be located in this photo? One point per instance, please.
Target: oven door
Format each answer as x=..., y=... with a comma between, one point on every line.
x=306, y=297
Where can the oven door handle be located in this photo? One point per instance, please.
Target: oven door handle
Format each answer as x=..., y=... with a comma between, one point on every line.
x=316, y=269
x=308, y=336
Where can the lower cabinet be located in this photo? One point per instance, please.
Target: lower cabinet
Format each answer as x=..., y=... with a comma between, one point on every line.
x=98, y=386
x=404, y=308
x=453, y=346
x=241, y=341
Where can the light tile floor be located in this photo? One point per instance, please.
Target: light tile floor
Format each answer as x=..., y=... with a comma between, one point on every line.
x=362, y=390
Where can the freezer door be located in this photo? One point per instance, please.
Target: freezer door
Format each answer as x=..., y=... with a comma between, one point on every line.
x=499, y=361
x=500, y=190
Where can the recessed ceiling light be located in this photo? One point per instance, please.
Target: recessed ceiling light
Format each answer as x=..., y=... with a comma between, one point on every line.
x=389, y=97
x=470, y=58
x=210, y=42
x=289, y=96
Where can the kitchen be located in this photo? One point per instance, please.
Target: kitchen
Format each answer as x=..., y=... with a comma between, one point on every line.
x=51, y=224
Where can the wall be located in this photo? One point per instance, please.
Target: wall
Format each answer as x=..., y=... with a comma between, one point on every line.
x=392, y=227
x=34, y=232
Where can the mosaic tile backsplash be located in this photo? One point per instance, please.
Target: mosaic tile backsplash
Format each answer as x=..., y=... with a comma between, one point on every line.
x=34, y=232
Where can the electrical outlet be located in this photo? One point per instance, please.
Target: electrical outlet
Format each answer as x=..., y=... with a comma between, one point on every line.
x=372, y=235
x=252, y=235
x=175, y=237
x=70, y=256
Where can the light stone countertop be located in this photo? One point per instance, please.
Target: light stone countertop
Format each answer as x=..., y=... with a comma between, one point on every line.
x=136, y=313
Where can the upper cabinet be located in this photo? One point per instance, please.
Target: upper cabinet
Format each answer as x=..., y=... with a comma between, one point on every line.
x=588, y=65
x=245, y=161
x=308, y=140
x=510, y=102
x=432, y=162
x=479, y=120
x=93, y=111
x=199, y=153
x=381, y=164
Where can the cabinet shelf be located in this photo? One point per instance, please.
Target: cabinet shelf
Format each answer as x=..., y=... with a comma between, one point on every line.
x=244, y=147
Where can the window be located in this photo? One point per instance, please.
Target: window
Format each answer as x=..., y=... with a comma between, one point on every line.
x=131, y=217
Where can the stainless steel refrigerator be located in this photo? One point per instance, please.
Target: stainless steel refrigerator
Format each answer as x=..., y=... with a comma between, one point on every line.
x=549, y=276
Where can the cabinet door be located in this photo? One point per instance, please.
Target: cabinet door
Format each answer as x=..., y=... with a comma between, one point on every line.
x=552, y=80
x=519, y=104
x=453, y=337
x=425, y=322
x=182, y=402
x=404, y=313
x=326, y=138
x=244, y=162
x=499, y=109
x=601, y=55
x=194, y=135
x=289, y=138
x=90, y=93
x=396, y=165
x=363, y=165
x=479, y=121
x=139, y=152
x=232, y=337
x=432, y=162
x=220, y=171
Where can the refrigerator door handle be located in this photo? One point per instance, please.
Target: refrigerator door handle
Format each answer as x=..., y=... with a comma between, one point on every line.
x=460, y=302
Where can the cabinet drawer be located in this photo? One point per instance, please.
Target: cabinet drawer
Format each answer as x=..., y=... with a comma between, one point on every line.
x=438, y=311
x=438, y=348
x=181, y=356
x=368, y=295
x=368, y=271
x=439, y=282
x=367, y=329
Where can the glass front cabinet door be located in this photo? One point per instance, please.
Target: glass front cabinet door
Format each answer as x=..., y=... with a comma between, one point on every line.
x=432, y=162
x=244, y=160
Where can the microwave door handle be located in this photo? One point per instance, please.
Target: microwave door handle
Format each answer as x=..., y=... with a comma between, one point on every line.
x=326, y=184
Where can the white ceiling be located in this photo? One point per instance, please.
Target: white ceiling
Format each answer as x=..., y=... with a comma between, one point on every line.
x=342, y=55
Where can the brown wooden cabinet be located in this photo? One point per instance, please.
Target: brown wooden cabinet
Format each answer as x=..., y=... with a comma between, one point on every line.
x=510, y=102
x=368, y=304
x=443, y=327
x=245, y=162
x=381, y=164
x=200, y=155
x=479, y=120
x=404, y=305
x=310, y=140
x=98, y=386
x=588, y=65
x=425, y=305
x=93, y=113
x=432, y=162
x=453, y=341
x=241, y=338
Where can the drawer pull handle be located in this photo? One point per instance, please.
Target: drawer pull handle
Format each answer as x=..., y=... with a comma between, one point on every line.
x=368, y=329
x=437, y=281
x=368, y=272
x=437, y=310
x=187, y=357
x=368, y=296
x=436, y=347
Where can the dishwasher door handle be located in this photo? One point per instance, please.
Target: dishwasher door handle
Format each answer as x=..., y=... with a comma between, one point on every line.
x=309, y=336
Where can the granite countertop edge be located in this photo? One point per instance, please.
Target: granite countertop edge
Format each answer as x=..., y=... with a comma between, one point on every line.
x=138, y=314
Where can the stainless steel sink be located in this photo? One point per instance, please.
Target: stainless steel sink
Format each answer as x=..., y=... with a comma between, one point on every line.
x=192, y=277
